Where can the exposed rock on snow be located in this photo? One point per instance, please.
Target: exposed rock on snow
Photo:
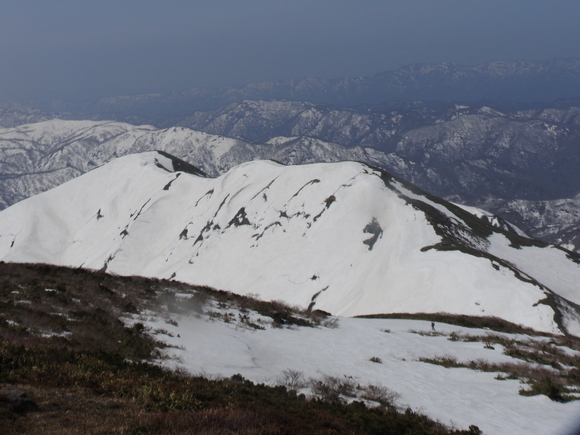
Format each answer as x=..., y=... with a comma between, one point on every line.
x=38, y=157
x=374, y=243
x=468, y=156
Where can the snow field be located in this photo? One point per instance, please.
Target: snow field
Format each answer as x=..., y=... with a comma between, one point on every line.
x=455, y=396
x=300, y=234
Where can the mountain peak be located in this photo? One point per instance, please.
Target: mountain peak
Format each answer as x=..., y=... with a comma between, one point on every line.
x=344, y=238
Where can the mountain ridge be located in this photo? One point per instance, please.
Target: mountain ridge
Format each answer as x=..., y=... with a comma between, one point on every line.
x=36, y=157
x=501, y=81
x=309, y=235
x=498, y=153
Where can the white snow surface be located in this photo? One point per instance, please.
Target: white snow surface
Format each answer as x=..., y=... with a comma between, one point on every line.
x=333, y=236
x=456, y=396
x=40, y=156
x=492, y=219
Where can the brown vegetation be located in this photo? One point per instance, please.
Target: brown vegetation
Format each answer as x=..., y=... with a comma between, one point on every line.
x=546, y=367
x=492, y=323
x=63, y=343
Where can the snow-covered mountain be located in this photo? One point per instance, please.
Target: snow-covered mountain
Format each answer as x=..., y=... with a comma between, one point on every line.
x=521, y=81
x=343, y=238
x=504, y=161
x=556, y=220
x=37, y=157
x=450, y=150
x=473, y=162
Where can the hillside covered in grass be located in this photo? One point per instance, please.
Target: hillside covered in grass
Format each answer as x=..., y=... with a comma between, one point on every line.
x=344, y=238
x=91, y=352
x=69, y=364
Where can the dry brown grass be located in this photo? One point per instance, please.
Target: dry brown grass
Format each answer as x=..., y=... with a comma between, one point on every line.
x=68, y=411
x=61, y=341
x=491, y=323
x=65, y=411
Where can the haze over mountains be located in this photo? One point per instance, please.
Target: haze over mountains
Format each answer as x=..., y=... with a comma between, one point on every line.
x=495, y=81
x=521, y=82
x=520, y=165
x=346, y=238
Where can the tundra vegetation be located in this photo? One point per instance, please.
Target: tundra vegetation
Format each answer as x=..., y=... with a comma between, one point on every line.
x=70, y=364
x=549, y=365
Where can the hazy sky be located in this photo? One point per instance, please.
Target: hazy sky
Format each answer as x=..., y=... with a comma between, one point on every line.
x=104, y=47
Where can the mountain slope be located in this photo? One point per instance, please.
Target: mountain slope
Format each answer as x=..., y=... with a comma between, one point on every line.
x=40, y=156
x=469, y=151
x=471, y=163
x=72, y=337
x=343, y=238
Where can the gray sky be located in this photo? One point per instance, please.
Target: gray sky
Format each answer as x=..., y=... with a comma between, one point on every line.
x=87, y=48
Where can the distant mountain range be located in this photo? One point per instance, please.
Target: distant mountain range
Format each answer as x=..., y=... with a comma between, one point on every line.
x=37, y=157
x=494, y=81
x=522, y=81
x=448, y=149
x=516, y=158
x=521, y=164
x=342, y=237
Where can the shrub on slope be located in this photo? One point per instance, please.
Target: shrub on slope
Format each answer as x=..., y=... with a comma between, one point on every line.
x=82, y=381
